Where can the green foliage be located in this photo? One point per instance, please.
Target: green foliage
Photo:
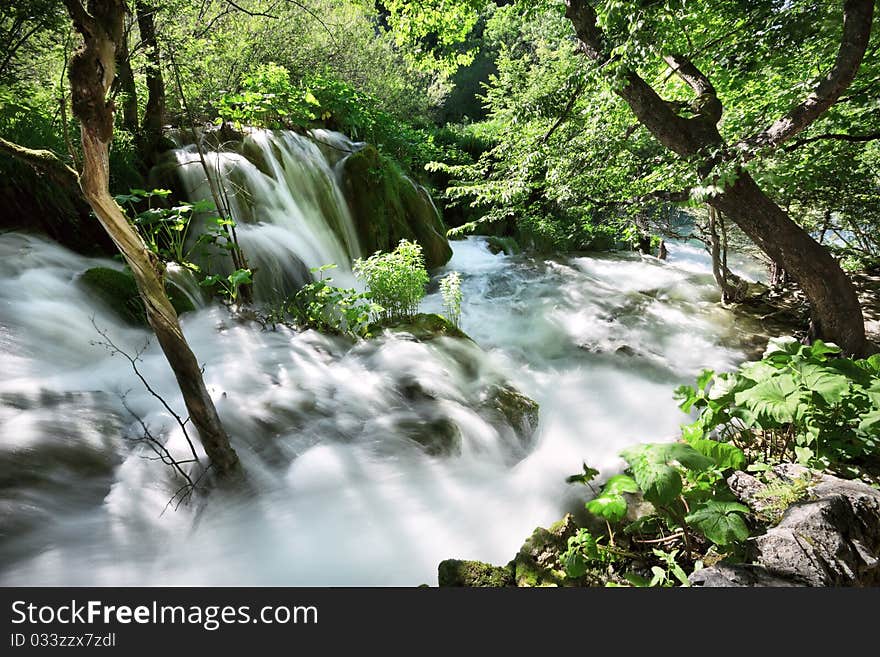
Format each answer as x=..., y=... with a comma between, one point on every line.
x=397, y=281
x=229, y=287
x=450, y=289
x=610, y=504
x=584, y=551
x=323, y=307
x=803, y=403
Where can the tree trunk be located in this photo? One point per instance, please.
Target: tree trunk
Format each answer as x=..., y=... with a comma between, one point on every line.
x=835, y=303
x=154, y=112
x=91, y=73
x=125, y=81
x=833, y=298
x=729, y=293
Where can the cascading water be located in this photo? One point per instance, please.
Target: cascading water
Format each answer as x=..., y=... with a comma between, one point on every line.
x=331, y=433
x=284, y=191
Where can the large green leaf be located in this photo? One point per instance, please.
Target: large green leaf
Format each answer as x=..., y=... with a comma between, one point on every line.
x=775, y=398
x=830, y=385
x=725, y=455
x=870, y=422
x=610, y=506
x=720, y=522
x=653, y=468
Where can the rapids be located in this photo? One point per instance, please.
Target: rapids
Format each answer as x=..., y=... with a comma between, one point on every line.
x=343, y=496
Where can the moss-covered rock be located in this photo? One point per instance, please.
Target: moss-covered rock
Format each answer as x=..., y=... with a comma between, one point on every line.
x=537, y=562
x=438, y=437
x=118, y=291
x=423, y=327
x=508, y=404
x=505, y=245
x=453, y=572
x=387, y=207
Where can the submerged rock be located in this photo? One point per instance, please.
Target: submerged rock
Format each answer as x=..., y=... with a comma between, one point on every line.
x=508, y=404
x=387, y=207
x=119, y=292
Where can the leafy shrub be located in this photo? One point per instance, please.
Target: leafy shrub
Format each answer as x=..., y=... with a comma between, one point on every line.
x=326, y=308
x=450, y=289
x=801, y=403
x=396, y=280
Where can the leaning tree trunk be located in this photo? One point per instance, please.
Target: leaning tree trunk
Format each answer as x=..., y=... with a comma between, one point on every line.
x=91, y=73
x=833, y=298
x=834, y=302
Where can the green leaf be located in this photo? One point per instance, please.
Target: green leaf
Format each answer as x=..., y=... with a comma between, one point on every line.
x=874, y=362
x=804, y=454
x=704, y=378
x=724, y=455
x=828, y=384
x=870, y=422
x=653, y=468
x=720, y=522
x=819, y=350
x=620, y=484
x=610, y=506
x=774, y=398
x=240, y=277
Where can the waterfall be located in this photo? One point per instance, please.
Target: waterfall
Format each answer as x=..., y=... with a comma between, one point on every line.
x=284, y=191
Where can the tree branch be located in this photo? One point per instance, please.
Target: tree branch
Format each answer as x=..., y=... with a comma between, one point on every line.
x=854, y=139
x=45, y=162
x=857, y=19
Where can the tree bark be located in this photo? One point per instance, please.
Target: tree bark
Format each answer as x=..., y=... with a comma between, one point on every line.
x=91, y=74
x=154, y=112
x=833, y=297
x=125, y=80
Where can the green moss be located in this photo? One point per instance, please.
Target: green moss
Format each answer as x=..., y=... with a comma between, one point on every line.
x=453, y=572
x=422, y=327
x=506, y=245
x=118, y=291
x=387, y=207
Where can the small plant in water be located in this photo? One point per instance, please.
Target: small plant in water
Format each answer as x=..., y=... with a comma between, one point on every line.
x=396, y=280
x=450, y=288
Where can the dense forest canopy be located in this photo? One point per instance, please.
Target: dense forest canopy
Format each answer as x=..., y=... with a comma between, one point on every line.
x=323, y=165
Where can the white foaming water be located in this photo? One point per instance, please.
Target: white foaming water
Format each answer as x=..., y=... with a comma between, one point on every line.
x=284, y=191
x=343, y=494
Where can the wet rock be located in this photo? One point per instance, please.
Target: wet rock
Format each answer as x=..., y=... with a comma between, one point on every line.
x=831, y=541
x=537, y=562
x=439, y=436
x=505, y=245
x=119, y=292
x=736, y=575
x=422, y=327
x=454, y=572
x=506, y=403
x=387, y=207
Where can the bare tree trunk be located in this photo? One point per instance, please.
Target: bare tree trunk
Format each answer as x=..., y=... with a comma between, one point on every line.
x=91, y=73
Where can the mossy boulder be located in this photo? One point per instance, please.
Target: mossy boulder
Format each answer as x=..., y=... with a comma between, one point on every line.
x=387, y=207
x=454, y=572
x=438, y=437
x=505, y=245
x=506, y=403
x=422, y=327
x=118, y=291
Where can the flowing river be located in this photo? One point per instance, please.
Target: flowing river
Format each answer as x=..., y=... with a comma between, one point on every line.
x=341, y=493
